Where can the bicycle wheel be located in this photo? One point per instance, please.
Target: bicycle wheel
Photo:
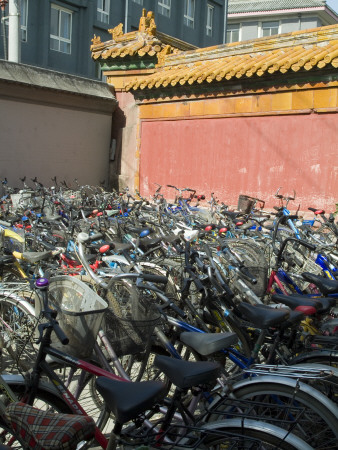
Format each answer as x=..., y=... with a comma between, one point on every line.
x=283, y=399
x=326, y=385
x=46, y=398
x=8, y=439
x=250, y=434
x=120, y=295
x=17, y=325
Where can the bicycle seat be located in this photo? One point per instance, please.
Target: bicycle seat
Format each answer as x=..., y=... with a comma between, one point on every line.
x=295, y=317
x=44, y=429
x=34, y=257
x=127, y=400
x=207, y=343
x=305, y=304
x=186, y=374
x=146, y=244
x=325, y=285
x=263, y=316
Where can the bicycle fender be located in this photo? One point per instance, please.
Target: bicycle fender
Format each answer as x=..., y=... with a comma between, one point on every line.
x=294, y=383
x=259, y=426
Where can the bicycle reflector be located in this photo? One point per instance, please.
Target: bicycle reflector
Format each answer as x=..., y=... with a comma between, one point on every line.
x=222, y=230
x=208, y=228
x=104, y=248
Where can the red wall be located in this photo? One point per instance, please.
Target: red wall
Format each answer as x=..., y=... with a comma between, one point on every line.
x=244, y=155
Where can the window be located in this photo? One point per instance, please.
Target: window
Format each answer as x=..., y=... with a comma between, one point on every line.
x=164, y=7
x=270, y=28
x=189, y=13
x=210, y=18
x=23, y=19
x=233, y=32
x=60, y=29
x=103, y=10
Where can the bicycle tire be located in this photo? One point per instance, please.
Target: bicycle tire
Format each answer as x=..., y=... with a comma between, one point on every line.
x=17, y=327
x=119, y=294
x=320, y=418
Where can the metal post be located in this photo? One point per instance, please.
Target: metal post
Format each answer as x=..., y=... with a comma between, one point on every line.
x=3, y=17
x=14, y=38
x=225, y=21
x=126, y=12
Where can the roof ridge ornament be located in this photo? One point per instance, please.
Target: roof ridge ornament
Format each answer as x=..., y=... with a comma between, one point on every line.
x=147, y=23
x=167, y=50
x=117, y=32
x=96, y=40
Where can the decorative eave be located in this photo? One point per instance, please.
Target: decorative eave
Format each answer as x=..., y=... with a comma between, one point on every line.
x=281, y=55
x=140, y=49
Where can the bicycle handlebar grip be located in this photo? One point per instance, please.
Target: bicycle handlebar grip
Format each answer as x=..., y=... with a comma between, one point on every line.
x=307, y=244
x=83, y=238
x=248, y=276
x=198, y=283
x=155, y=278
x=228, y=290
x=177, y=310
x=60, y=334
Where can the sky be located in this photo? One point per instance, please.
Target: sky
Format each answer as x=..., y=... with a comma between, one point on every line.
x=333, y=4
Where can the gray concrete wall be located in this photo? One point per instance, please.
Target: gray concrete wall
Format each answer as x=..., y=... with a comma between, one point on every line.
x=54, y=132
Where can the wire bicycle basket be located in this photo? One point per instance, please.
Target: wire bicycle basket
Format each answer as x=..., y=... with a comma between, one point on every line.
x=80, y=314
x=245, y=203
x=129, y=330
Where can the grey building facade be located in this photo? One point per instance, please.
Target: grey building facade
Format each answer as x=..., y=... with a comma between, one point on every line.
x=251, y=19
x=57, y=34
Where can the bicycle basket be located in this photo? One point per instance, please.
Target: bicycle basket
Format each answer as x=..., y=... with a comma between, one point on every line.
x=308, y=266
x=80, y=314
x=21, y=200
x=245, y=203
x=130, y=330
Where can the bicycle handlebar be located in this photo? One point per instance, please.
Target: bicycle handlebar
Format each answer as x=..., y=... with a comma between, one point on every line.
x=49, y=314
x=59, y=333
x=154, y=278
x=299, y=241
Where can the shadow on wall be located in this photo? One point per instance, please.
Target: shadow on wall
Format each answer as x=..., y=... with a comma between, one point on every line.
x=119, y=122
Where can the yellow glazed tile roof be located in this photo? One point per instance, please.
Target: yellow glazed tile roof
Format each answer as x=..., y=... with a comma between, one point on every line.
x=283, y=54
x=145, y=41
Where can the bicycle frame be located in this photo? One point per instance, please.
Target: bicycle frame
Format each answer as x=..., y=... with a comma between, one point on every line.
x=43, y=367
